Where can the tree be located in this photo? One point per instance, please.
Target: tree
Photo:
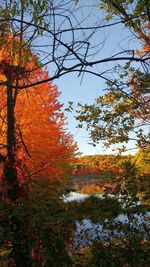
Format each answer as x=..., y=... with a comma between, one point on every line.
x=121, y=114
x=28, y=151
x=135, y=16
x=49, y=146
x=69, y=41
x=21, y=126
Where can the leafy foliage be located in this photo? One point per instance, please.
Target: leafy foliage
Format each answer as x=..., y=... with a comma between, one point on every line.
x=48, y=148
x=34, y=144
x=121, y=111
x=43, y=240
x=120, y=243
x=134, y=15
x=101, y=165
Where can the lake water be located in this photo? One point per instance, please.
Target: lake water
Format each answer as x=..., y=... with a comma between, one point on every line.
x=78, y=197
x=87, y=231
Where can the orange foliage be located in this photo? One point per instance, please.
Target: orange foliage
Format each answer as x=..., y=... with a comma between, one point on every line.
x=99, y=165
x=145, y=38
x=99, y=188
x=41, y=123
x=42, y=144
x=92, y=189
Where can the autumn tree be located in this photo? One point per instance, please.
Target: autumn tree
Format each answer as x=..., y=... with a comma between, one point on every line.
x=47, y=146
x=34, y=147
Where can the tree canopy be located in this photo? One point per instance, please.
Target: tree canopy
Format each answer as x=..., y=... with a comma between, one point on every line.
x=122, y=113
x=61, y=37
x=41, y=142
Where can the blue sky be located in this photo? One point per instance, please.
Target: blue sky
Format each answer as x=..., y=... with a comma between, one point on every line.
x=72, y=90
x=91, y=87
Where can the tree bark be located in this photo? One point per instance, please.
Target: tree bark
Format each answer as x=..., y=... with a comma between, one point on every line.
x=10, y=167
x=20, y=254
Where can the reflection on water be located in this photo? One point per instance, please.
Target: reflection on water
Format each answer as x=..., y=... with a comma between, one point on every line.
x=78, y=197
x=74, y=196
x=87, y=231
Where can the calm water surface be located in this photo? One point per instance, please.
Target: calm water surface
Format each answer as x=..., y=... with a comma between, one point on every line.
x=87, y=231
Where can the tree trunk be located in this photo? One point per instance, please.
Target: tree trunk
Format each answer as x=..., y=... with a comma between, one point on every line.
x=20, y=254
x=10, y=168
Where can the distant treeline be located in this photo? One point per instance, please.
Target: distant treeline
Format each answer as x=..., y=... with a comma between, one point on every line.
x=111, y=170
x=112, y=164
